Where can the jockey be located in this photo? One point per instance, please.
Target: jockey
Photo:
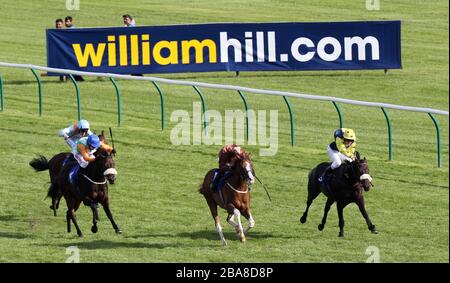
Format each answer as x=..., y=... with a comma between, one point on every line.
x=341, y=150
x=84, y=154
x=74, y=132
x=227, y=158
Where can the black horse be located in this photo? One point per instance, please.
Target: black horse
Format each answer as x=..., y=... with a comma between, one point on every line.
x=345, y=187
x=92, y=183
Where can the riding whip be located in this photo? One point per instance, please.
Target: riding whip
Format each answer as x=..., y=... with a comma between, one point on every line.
x=112, y=140
x=267, y=192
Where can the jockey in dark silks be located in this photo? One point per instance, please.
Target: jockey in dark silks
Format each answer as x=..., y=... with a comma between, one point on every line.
x=227, y=158
x=341, y=150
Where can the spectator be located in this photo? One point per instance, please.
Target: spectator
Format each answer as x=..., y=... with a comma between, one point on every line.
x=68, y=22
x=59, y=24
x=128, y=21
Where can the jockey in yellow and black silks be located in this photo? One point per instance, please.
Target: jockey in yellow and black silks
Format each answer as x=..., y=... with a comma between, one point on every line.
x=342, y=149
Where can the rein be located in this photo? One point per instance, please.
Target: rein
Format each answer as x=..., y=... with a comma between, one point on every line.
x=237, y=191
x=93, y=182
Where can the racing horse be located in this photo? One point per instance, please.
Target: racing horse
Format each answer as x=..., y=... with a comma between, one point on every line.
x=92, y=183
x=233, y=196
x=344, y=188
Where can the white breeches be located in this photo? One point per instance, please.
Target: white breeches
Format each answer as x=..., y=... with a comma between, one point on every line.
x=336, y=157
x=83, y=163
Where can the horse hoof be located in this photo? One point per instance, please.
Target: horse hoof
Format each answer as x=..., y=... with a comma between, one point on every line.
x=80, y=235
x=341, y=234
x=374, y=231
x=320, y=227
x=242, y=239
x=303, y=219
x=118, y=231
x=224, y=243
x=94, y=229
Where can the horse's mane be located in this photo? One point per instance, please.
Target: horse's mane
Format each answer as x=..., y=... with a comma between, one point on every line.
x=243, y=155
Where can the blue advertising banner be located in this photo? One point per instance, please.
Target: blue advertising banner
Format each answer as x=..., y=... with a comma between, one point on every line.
x=227, y=47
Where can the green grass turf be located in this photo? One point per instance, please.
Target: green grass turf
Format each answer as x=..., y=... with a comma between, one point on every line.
x=155, y=200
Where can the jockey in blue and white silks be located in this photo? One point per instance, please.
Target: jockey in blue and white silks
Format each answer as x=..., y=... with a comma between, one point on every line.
x=74, y=132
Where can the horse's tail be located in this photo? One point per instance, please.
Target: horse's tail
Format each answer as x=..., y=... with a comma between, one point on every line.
x=40, y=163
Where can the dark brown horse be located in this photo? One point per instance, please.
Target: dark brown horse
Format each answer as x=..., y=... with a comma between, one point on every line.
x=233, y=196
x=92, y=183
x=345, y=187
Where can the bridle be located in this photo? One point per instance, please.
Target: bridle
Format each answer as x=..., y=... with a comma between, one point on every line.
x=359, y=181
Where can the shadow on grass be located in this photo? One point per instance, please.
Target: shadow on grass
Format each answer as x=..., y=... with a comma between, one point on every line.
x=214, y=236
x=106, y=244
x=9, y=218
x=13, y=235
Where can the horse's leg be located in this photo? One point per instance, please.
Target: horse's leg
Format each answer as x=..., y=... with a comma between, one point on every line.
x=329, y=203
x=213, y=208
x=313, y=192
x=95, y=218
x=340, y=210
x=234, y=212
x=362, y=209
x=68, y=219
x=251, y=222
x=105, y=205
x=73, y=215
x=230, y=218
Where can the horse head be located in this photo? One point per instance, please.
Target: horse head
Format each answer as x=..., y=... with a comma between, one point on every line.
x=244, y=167
x=106, y=162
x=361, y=169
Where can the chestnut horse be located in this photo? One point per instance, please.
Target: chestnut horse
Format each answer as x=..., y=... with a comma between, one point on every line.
x=345, y=187
x=92, y=183
x=233, y=196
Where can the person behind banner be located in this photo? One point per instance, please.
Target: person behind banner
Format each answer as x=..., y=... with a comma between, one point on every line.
x=68, y=21
x=59, y=24
x=128, y=21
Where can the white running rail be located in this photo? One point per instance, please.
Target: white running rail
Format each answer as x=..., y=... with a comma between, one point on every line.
x=230, y=87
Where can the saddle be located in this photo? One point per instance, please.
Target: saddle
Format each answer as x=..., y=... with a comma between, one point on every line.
x=219, y=179
x=325, y=182
x=73, y=174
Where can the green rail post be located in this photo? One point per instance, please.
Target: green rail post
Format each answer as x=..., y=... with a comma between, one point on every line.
x=246, y=112
x=203, y=106
x=78, y=95
x=291, y=116
x=161, y=96
x=438, y=132
x=119, y=115
x=1, y=91
x=39, y=90
x=389, y=131
x=341, y=122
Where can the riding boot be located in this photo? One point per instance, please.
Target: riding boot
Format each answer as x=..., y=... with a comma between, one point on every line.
x=216, y=181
